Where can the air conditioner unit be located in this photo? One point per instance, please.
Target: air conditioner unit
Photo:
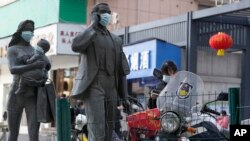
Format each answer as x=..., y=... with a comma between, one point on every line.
x=223, y=2
x=216, y=2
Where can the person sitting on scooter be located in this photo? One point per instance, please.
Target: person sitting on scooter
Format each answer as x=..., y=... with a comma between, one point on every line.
x=168, y=69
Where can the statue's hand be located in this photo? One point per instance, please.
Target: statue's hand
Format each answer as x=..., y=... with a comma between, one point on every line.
x=127, y=106
x=94, y=19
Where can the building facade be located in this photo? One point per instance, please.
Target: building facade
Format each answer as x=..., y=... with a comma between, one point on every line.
x=134, y=12
x=57, y=21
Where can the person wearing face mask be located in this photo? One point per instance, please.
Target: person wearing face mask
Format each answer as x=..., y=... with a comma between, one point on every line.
x=101, y=78
x=18, y=49
x=168, y=69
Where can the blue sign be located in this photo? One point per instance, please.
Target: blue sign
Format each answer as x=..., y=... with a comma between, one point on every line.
x=143, y=57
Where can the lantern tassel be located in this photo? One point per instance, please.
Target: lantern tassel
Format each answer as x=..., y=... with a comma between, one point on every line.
x=220, y=52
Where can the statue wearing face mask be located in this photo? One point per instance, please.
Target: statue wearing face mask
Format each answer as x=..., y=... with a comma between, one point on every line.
x=104, y=19
x=101, y=78
x=19, y=50
x=27, y=35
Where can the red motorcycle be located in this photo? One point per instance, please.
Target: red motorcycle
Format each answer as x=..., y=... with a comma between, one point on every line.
x=144, y=124
x=172, y=118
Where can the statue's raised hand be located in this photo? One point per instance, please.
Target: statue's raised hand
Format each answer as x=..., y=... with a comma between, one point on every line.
x=95, y=18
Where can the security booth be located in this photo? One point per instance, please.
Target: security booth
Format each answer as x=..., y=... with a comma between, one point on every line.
x=143, y=56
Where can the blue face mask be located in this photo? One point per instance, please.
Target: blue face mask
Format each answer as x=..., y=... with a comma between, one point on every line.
x=27, y=35
x=105, y=18
x=166, y=78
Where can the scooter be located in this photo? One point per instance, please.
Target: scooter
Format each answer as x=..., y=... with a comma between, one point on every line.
x=173, y=118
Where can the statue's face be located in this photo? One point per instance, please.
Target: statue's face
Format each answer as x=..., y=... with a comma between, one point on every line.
x=28, y=27
x=103, y=9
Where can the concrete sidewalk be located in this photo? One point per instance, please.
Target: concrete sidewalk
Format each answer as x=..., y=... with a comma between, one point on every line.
x=45, y=134
x=42, y=137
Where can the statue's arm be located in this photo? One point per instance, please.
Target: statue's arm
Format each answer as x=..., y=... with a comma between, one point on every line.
x=83, y=40
x=48, y=64
x=122, y=87
x=124, y=70
x=32, y=59
x=16, y=68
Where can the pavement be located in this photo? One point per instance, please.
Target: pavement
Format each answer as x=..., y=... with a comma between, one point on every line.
x=25, y=137
x=45, y=134
x=42, y=137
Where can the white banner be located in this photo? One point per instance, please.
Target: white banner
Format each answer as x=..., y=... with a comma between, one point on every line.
x=48, y=33
x=66, y=33
x=60, y=37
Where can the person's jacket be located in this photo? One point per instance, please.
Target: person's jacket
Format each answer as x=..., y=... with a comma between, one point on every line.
x=87, y=46
x=159, y=87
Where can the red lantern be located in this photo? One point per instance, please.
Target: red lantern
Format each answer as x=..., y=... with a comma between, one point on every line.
x=220, y=42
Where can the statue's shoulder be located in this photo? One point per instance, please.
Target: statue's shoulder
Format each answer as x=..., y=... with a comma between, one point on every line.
x=116, y=38
x=13, y=48
x=21, y=49
x=90, y=30
x=114, y=35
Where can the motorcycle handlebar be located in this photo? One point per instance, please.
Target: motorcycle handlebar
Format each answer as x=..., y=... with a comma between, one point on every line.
x=135, y=101
x=207, y=109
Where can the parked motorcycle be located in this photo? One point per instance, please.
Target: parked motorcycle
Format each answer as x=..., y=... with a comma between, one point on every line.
x=173, y=119
x=206, y=118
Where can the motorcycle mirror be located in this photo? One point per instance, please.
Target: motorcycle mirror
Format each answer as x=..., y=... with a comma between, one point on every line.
x=222, y=97
x=157, y=73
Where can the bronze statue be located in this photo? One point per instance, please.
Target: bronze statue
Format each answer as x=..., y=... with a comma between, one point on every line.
x=35, y=77
x=101, y=78
x=20, y=49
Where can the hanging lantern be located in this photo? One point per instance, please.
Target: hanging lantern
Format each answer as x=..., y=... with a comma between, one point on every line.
x=220, y=42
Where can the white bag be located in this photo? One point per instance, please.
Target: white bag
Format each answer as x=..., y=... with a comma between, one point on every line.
x=80, y=121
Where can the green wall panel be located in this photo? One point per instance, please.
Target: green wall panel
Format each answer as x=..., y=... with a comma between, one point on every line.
x=73, y=11
x=42, y=12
